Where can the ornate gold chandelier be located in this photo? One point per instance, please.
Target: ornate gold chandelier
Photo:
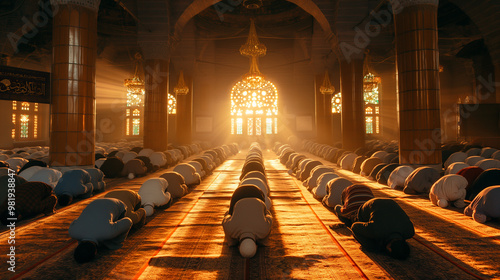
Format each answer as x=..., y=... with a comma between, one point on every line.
x=181, y=88
x=327, y=87
x=135, y=85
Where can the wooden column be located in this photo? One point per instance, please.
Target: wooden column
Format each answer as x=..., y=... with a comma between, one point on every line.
x=74, y=45
x=156, y=104
x=184, y=114
x=418, y=83
x=353, y=116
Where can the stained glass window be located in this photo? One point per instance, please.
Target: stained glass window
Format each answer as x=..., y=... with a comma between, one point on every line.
x=337, y=103
x=371, y=92
x=136, y=113
x=253, y=98
x=369, y=125
x=276, y=125
x=136, y=126
x=250, y=126
x=172, y=105
x=127, y=127
x=25, y=119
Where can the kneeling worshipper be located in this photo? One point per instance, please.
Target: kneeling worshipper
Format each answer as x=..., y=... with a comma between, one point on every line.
x=485, y=206
x=32, y=198
x=133, y=202
x=73, y=183
x=247, y=222
x=176, y=184
x=101, y=223
x=383, y=226
x=134, y=168
x=353, y=197
x=153, y=194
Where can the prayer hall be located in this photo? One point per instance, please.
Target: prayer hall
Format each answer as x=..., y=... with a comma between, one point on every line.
x=249, y=139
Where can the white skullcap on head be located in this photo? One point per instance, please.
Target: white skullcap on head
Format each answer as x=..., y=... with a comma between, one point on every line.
x=149, y=210
x=248, y=248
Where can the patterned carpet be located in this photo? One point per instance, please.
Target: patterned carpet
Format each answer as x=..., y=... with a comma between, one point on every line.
x=185, y=241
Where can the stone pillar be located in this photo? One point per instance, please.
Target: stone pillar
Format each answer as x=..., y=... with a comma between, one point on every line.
x=184, y=114
x=319, y=109
x=418, y=82
x=353, y=115
x=74, y=45
x=156, y=104
x=328, y=119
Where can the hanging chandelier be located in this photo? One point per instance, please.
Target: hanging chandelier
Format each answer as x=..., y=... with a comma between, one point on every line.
x=252, y=4
x=135, y=85
x=181, y=88
x=327, y=87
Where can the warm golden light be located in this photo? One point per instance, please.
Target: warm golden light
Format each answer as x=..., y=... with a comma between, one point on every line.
x=254, y=97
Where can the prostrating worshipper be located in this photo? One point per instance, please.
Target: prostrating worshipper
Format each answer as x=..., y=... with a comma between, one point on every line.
x=153, y=194
x=134, y=168
x=32, y=198
x=31, y=163
x=353, y=197
x=356, y=168
x=455, y=167
x=320, y=190
x=421, y=180
x=308, y=167
x=73, y=183
x=385, y=172
x=485, y=206
x=470, y=173
x=368, y=165
x=176, y=184
x=112, y=167
x=398, y=176
x=449, y=188
x=487, y=178
x=47, y=175
x=334, y=191
x=101, y=223
x=97, y=179
x=189, y=173
x=133, y=202
x=250, y=166
x=382, y=225
x=248, y=224
x=311, y=182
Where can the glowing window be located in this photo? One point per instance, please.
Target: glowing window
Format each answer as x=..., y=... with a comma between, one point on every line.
x=127, y=128
x=276, y=125
x=232, y=126
x=337, y=103
x=136, y=113
x=269, y=126
x=250, y=126
x=371, y=93
x=35, y=126
x=253, y=98
x=25, y=119
x=369, y=125
x=136, y=126
x=172, y=105
x=239, y=126
x=127, y=112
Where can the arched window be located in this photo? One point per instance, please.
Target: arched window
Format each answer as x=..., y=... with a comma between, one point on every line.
x=371, y=92
x=254, y=107
x=25, y=121
x=337, y=103
x=172, y=105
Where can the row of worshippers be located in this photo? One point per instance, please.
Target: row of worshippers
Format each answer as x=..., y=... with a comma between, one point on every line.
x=455, y=184
x=248, y=221
x=379, y=224
x=40, y=188
x=106, y=222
